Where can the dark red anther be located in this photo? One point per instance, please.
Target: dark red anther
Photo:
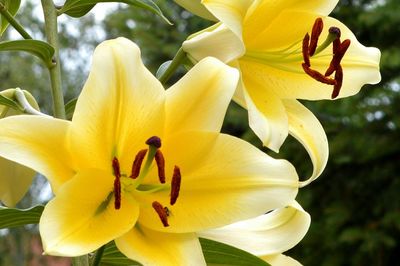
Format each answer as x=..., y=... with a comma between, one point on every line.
x=154, y=141
x=159, y=157
x=339, y=82
x=117, y=193
x=162, y=213
x=117, y=183
x=318, y=76
x=337, y=57
x=306, y=56
x=137, y=163
x=316, y=32
x=175, y=185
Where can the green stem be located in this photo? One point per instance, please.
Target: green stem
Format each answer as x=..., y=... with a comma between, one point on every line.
x=176, y=62
x=97, y=256
x=10, y=18
x=50, y=17
x=80, y=261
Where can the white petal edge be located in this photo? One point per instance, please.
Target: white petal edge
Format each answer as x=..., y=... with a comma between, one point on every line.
x=269, y=234
x=217, y=41
x=305, y=127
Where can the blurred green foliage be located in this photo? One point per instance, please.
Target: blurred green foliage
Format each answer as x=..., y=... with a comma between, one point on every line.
x=354, y=205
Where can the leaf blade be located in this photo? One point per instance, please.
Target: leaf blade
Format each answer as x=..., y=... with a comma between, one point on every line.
x=12, y=217
x=78, y=8
x=40, y=49
x=12, y=6
x=217, y=253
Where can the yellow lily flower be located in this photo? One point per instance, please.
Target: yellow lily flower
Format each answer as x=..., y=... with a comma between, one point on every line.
x=143, y=166
x=268, y=235
x=275, y=46
x=15, y=179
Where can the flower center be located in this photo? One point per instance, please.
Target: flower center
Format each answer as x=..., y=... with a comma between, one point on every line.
x=284, y=59
x=310, y=48
x=134, y=182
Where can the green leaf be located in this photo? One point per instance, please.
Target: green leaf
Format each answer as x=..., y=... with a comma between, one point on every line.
x=214, y=252
x=217, y=253
x=70, y=108
x=12, y=7
x=78, y=8
x=10, y=217
x=43, y=50
x=113, y=257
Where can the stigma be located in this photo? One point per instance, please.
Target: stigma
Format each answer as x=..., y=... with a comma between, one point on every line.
x=310, y=48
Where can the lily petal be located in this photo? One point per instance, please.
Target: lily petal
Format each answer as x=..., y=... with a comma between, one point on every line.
x=256, y=21
x=196, y=7
x=217, y=41
x=80, y=219
x=114, y=106
x=269, y=234
x=15, y=181
x=154, y=248
x=202, y=106
x=231, y=13
x=267, y=116
x=281, y=260
x=38, y=143
x=224, y=180
x=306, y=128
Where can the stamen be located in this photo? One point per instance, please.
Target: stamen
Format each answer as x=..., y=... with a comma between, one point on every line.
x=316, y=32
x=159, y=157
x=318, y=76
x=154, y=141
x=137, y=163
x=305, y=49
x=117, y=193
x=338, y=54
x=175, y=185
x=162, y=213
x=117, y=183
x=339, y=80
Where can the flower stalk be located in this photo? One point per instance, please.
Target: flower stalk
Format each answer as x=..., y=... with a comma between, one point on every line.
x=18, y=27
x=50, y=17
x=80, y=261
x=97, y=256
x=176, y=62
